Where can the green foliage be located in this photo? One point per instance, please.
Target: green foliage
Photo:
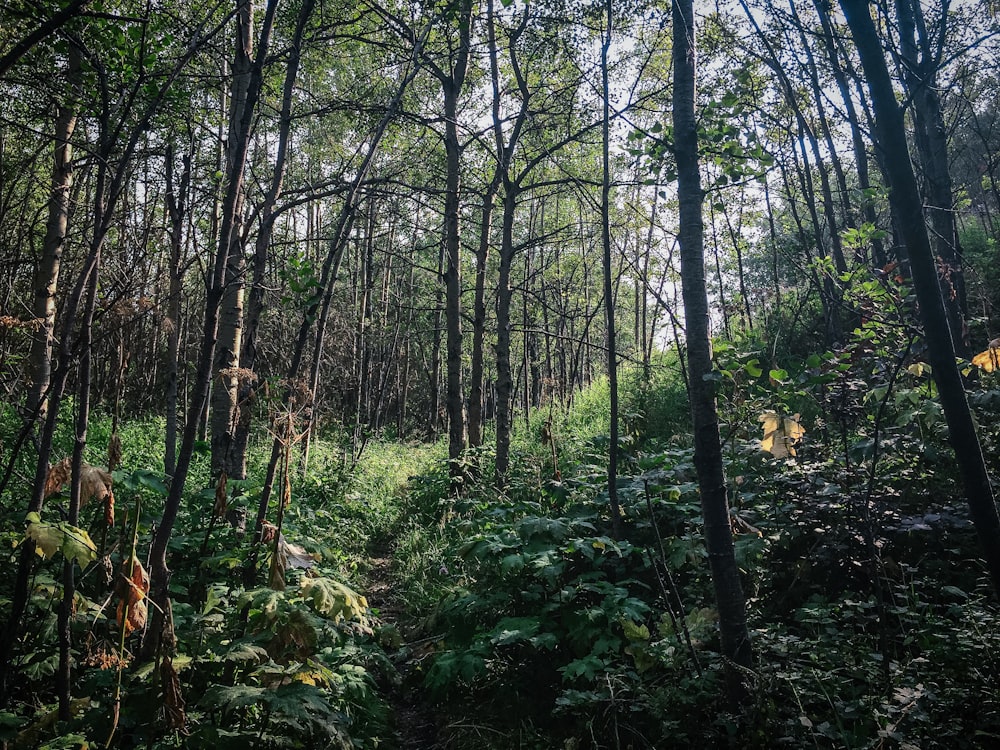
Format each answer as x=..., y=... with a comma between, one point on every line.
x=74, y=543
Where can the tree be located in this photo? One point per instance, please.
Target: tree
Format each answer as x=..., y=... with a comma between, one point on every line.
x=931, y=139
x=609, y=297
x=451, y=75
x=907, y=206
x=47, y=275
x=707, y=442
x=215, y=289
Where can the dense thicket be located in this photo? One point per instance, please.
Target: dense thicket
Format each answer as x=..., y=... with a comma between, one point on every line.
x=259, y=228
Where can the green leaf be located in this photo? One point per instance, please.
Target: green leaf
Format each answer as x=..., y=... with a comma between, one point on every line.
x=77, y=545
x=73, y=542
x=753, y=368
x=511, y=563
x=633, y=631
x=514, y=630
x=48, y=539
x=333, y=599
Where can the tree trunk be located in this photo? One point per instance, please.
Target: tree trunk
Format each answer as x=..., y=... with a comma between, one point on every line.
x=176, y=211
x=733, y=630
x=452, y=82
x=47, y=276
x=454, y=403
x=878, y=258
x=931, y=137
x=225, y=381
x=505, y=374
x=479, y=312
x=158, y=570
x=255, y=301
x=906, y=203
x=611, y=339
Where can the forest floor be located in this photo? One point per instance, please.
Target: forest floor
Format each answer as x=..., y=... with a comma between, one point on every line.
x=412, y=717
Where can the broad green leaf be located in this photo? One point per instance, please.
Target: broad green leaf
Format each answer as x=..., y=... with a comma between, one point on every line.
x=633, y=631
x=333, y=599
x=514, y=630
x=48, y=539
x=74, y=543
x=77, y=545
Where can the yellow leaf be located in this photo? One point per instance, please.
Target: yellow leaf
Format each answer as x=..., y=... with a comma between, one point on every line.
x=633, y=631
x=780, y=434
x=988, y=360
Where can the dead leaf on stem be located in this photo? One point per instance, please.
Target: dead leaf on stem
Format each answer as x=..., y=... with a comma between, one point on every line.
x=132, y=588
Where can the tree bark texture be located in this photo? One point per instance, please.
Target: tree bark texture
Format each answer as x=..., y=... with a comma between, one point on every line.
x=47, y=276
x=733, y=630
x=225, y=389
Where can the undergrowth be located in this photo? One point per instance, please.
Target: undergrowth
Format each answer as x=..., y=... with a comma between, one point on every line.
x=293, y=663
x=872, y=624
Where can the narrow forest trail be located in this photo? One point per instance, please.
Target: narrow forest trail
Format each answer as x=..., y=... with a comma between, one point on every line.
x=412, y=720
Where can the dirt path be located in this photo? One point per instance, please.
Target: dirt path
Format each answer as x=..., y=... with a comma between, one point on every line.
x=413, y=721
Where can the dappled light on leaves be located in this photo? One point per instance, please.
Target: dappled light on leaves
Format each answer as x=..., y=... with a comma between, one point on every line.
x=333, y=599
x=780, y=434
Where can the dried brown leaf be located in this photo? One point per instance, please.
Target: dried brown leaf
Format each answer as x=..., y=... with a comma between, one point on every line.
x=58, y=475
x=114, y=452
x=109, y=509
x=132, y=588
x=173, y=700
x=95, y=484
x=267, y=532
x=276, y=574
x=221, y=502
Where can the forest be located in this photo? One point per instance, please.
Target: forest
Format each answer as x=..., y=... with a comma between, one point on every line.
x=499, y=374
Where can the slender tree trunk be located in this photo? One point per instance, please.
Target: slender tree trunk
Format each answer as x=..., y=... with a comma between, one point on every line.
x=482, y=256
x=84, y=370
x=611, y=338
x=733, y=630
x=158, y=570
x=505, y=375
x=268, y=216
x=479, y=317
x=454, y=402
x=176, y=211
x=857, y=137
x=907, y=205
x=452, y=82
x=47, y=276
x=434, y=375
x=931, y=139
x=225, y=380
